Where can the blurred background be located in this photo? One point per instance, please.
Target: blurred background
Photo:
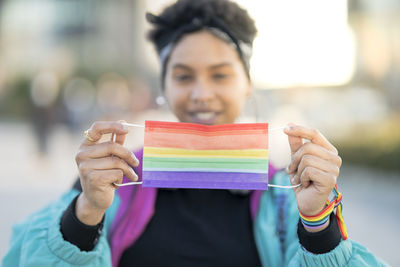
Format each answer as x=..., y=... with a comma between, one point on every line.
x=333, y=65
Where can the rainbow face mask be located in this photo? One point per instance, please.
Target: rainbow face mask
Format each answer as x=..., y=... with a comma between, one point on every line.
x=186, y=155
x=229, y=156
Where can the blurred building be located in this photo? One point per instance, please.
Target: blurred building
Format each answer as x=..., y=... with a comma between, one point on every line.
x=322, y=63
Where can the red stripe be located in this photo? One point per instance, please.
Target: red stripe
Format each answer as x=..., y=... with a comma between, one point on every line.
x=319, y=214
x=206, y=128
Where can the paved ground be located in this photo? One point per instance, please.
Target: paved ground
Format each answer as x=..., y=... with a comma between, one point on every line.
x=370, y=197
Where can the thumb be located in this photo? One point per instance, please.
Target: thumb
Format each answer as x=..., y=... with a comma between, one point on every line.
x=120, y=138
x=295, y=142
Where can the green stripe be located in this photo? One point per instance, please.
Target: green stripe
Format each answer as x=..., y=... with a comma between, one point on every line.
x=265, y=170
x=220, y=163
x=189, y=159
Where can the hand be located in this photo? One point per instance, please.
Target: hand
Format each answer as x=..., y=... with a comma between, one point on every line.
x=100, y=165
x=315, y=165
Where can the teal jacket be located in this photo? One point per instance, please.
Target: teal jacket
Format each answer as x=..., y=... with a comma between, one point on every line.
x=38, y=241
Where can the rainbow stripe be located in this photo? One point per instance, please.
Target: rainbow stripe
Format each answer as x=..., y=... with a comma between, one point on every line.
x=186, y=155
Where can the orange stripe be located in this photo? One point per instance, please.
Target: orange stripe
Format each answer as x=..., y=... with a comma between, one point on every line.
x=187, y=141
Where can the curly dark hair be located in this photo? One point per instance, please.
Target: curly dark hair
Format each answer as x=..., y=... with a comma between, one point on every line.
x=240, y=24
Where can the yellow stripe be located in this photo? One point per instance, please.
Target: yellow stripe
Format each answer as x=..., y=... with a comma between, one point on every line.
x=177, y=152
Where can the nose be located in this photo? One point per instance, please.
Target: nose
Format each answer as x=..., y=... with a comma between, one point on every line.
x=202, y=92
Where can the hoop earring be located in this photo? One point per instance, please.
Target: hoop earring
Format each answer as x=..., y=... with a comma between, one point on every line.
x=160, y=101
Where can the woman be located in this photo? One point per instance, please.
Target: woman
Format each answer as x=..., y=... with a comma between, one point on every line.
x=204, y=48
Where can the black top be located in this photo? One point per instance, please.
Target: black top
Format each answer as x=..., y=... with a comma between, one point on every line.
x=196, y=227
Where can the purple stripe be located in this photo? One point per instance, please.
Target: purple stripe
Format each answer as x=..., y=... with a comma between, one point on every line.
x=204, y=177
x=314, y=227
x=210, y=180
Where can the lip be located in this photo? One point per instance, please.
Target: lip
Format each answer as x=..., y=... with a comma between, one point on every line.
x=208, y=117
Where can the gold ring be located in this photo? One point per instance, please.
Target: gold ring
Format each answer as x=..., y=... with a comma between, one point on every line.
x=88, y=136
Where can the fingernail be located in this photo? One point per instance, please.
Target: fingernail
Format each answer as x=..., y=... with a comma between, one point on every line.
x=124, y=127
x=290, y=126
x=135, y=160
x=134, y=174
x=287, y=128
x=287, y=169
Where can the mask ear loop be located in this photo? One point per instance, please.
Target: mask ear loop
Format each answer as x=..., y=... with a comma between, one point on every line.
x=269, y=185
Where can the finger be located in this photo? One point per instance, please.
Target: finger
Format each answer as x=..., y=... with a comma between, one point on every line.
x=104, y=177
x=324, y=181
x=317, y=163
x=107, y=149
x=109, y=163
x=99, y=128
x=294, y=142
x=316, y=150
x=311, y=134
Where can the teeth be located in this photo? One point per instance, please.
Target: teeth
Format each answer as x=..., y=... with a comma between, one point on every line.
x=205, y=115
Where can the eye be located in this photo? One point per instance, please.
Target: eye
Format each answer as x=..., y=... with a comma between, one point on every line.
x=219, y=76
x=183, y=77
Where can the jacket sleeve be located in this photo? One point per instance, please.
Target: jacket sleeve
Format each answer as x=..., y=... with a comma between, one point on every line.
x=38, y=241
x=272, y=241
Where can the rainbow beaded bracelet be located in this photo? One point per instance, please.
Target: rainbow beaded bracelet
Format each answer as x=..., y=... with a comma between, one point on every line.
x=321, y=219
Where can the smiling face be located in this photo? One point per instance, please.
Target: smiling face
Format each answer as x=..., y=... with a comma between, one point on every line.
x=205, y=81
